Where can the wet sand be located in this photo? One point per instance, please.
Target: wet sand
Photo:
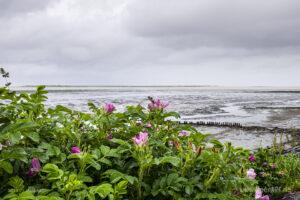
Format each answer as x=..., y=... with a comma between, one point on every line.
x=247, y=139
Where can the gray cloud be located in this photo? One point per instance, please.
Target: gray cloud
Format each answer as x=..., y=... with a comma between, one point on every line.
x=234, y=42
x=248, y=24
x=12, y=8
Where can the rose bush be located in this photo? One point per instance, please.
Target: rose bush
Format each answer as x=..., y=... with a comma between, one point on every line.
x=60, y=153
x=276, y=173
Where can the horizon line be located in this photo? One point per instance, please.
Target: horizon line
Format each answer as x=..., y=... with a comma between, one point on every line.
x=172, y=85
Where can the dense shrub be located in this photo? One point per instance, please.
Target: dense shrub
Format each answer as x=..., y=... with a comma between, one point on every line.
x=59, y=153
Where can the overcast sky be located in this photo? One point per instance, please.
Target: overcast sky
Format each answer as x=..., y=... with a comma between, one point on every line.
x=151, y=42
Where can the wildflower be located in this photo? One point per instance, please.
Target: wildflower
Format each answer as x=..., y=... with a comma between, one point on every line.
x=258, y=193
x=75, y=150
x=184, y=133
x=35, y=167
x=157, y=104
x=109, y=136
x=266, y=197
x=251, y=158
x=109, y=108
x=140, y=139
x=251, y=174
x=149, y=125
x=139, y=122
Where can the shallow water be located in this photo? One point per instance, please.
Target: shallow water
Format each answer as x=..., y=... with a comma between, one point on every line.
x=256, y=106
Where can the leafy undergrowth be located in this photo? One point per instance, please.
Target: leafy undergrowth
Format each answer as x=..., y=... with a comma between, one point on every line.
x=59, y=153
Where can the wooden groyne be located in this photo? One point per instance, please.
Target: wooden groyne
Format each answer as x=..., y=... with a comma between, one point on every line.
x=243, y=127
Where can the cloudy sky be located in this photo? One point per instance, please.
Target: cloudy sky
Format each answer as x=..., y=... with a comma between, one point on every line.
x=151, y=42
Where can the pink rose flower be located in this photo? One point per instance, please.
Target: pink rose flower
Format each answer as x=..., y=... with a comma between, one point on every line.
x=251, y=158
x=157, y=104
x=109, y=108
x=258, y=193
x=35, y=167
x=75, y=150
x=141, y=139
x=251, y=174
x=149, y=125
x=266, y=197
x=109, y=136
x=184, y=133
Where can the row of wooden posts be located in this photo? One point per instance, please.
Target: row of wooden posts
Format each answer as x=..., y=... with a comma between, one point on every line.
x=240, y=126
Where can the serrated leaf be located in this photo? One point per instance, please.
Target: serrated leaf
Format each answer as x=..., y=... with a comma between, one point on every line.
x=105, y=161
x=26, y=196
x=115, y=176
x=17, y=183
x=7, y=166
x=104, y=150
x=102, y=190
x=16, y=153
x=53, y=172
x=33, y=136
x=168, y=159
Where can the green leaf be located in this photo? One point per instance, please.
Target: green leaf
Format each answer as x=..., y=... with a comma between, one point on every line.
x=49, y=198
x=121, y=142
x=188, y=189
x=215, y=175
x=172, y=178
x=50, y=150
x=60, y=108
x=33, y=136
x=19, y=126
x=102, y=190
x=17, y=183
x=121, y=187
x=85, y=179
x=104, y=150
x=53, y=172
x=216, y=143
x=11, y=196
x=16, y=153
x=115, y=176
x=7, y=166
x=26, y=195
x=168, y=159
x=172, y=114
x=105, y=161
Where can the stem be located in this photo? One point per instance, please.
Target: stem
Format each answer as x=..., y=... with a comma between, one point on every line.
x=69, y=195
x=184, y=168
x=141, y=175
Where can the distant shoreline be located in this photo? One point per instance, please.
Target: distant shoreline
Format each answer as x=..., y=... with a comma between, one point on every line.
x=263, y=89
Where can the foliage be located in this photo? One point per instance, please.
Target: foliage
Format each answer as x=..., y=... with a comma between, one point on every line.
x=277, y=173
x=59, y=153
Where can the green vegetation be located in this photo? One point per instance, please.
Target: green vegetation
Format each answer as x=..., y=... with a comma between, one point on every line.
x=59, y=153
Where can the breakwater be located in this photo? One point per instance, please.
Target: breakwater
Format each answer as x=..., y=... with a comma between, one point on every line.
x=293, y=131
